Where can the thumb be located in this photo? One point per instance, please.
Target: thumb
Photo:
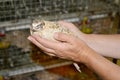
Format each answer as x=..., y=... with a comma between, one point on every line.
x=63, y=37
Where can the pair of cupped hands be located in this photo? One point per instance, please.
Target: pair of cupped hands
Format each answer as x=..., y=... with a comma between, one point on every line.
x=67, y=46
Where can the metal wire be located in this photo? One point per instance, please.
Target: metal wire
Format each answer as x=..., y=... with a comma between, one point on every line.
x=22, y=9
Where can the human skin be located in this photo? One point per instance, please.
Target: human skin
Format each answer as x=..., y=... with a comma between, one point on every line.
x=106, y=45
x=80, y=49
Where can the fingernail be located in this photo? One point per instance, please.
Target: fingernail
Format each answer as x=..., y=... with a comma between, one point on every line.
x=29, y=38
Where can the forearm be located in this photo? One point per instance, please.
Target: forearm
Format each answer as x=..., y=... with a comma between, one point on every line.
x=106, y=45
x=103, y=67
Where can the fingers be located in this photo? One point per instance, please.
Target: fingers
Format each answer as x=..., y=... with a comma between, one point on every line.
x=64, y=37
x=47, y=43
x=39, y=45
x=71, y=27
x=50, y=54
x=67, y=24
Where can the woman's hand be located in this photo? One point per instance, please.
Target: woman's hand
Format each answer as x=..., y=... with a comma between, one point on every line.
x=66, y=47
x=73, y=29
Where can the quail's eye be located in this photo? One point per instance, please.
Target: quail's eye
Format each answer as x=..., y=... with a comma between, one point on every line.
x=40, y=26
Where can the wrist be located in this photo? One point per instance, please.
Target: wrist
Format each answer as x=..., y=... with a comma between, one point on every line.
x=85, y=55
x=84, y=37
x=89, y=39
x=88, y=55
x=91, y=59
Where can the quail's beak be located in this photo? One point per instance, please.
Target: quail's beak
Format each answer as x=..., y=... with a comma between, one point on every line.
x=32, y=30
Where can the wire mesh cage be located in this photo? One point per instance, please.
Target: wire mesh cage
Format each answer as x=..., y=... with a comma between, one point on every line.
x=27, y=9
x=20, y=9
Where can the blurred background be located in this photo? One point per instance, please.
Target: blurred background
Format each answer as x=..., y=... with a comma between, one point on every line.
x=21, y=60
